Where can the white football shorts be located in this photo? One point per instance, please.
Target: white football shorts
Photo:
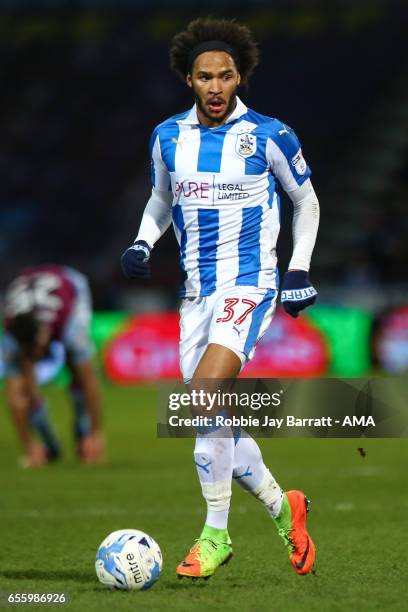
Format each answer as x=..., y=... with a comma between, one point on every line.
x=236, y=317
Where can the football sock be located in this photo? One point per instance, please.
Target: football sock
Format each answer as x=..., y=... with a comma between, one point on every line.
x=38, y=420
x=213, y=456
x=82, y=422
x=251, y=474
x=217, y=535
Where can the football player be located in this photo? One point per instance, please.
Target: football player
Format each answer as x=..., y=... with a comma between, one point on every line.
x=44, y=304
x=215, y=169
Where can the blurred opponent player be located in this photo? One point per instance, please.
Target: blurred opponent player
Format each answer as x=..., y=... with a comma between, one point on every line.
x=46, y=303
x=214, y=172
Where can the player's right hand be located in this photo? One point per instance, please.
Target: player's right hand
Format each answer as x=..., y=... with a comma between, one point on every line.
x=135, y=260
x=92, y=448
x=36, y=456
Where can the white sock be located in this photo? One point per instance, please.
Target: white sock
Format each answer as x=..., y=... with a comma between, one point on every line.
x=213, y=456
x=251, y=474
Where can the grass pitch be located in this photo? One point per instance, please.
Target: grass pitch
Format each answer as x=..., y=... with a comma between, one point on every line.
x=53, y=519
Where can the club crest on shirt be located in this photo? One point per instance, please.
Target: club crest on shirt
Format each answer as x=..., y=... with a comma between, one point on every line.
x=246, y=145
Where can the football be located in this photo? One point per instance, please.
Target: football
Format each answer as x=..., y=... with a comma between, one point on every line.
x=128, y=559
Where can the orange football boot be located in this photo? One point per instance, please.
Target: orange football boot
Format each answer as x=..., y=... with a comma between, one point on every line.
x=291, y=525
x=212, y=549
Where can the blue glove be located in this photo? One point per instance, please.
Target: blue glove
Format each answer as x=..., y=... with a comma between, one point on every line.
x=135, y=260
x=297, y=292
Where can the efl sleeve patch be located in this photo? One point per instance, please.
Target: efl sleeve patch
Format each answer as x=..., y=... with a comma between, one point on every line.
x=285, y=158
x=299, y=163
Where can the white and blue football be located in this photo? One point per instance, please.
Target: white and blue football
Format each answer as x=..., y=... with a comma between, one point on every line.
x=128, y=559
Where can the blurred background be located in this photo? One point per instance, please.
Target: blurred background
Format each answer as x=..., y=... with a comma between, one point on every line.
x=84, y=82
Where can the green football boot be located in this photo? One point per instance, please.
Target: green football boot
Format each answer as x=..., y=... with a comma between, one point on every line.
x=212, y=549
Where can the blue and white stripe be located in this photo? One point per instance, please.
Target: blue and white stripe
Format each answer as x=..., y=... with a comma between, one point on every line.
x=225, y=203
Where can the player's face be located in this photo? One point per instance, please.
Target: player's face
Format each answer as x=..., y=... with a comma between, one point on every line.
x=214, y=80
x=40, y=348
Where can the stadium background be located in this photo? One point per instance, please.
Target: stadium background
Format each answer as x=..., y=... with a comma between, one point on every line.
x=82, y=85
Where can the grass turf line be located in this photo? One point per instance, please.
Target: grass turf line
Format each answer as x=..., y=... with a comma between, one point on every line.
x=53, y=519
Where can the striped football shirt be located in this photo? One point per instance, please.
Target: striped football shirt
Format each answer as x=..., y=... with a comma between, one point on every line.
x=225, y=201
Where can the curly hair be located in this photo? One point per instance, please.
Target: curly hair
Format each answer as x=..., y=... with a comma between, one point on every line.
x=24, y=328
x=238, y=36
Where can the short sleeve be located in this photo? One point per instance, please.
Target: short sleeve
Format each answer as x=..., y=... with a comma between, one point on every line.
x=285, y=158
x=159, y=174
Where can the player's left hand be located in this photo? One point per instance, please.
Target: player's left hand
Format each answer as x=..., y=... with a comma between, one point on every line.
x=92, y=448
x=297, y=292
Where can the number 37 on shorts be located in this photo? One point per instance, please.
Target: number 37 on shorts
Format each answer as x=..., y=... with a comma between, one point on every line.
x=235, y=317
